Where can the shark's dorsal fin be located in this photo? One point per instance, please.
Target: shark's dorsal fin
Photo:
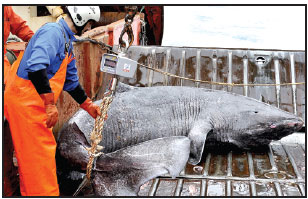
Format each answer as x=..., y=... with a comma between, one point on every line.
x=121, y=87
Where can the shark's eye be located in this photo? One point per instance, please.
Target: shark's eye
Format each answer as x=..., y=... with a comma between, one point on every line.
x=256, y=112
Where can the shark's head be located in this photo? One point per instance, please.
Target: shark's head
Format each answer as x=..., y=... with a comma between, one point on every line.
x=231, y=119
x=255, y=124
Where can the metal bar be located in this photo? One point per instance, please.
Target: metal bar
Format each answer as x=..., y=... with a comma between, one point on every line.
x=168, y=61
x=250, y=163
x=214, y=71
x=229, y=172
x=229, y=168
x=207, y=165
x=263, y=180
x=253, y=188
x=252, y=174
x=179, y=187
x=154, y=187
x=182, y=66
x=153, y=64
x=198, y=68
x=229, y=188
x=245, y=71
x=274, y=168
x=278, y=188
x=302, y=189
x=277, y=79
x=298, y=174
x=271, y=158
x=203, y=187
x=230, y=70
x=293, y=80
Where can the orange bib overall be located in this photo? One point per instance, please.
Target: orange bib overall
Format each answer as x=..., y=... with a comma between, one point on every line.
x=7, y=67
x=34, y=143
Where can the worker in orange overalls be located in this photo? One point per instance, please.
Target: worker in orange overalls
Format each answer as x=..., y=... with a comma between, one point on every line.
x=35, y=82
x=154, y=15
x=17, y=26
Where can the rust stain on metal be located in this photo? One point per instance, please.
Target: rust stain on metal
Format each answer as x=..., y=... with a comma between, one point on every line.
x=261, y=164
x=240, y=164
x=218, y=165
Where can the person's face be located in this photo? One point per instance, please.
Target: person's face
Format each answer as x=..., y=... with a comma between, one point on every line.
x=87, y=27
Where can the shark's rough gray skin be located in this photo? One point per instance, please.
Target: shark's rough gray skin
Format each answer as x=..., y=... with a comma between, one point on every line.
x=141, y=114
x=122, y=172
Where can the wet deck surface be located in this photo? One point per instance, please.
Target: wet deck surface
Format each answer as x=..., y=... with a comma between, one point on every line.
x=276, y=171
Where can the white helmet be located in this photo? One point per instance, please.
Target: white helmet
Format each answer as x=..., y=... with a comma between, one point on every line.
x=82, y=14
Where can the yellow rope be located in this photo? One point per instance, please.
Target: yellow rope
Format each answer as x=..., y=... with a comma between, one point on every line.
x=96, y=134
x=216, y=83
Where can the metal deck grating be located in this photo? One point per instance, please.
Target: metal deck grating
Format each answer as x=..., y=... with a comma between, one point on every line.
x=280, y=171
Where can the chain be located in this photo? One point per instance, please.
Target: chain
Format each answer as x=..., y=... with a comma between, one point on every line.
x=143, y=40
x=102, y=45
x=96, y=134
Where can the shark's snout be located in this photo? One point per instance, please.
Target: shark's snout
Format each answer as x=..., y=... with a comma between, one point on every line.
x=296, y=124
x=293, y=124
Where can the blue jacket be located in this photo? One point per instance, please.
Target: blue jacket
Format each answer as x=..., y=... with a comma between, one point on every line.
x=46, y=50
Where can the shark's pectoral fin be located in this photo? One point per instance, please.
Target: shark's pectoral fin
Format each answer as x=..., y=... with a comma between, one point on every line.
x=197, y=135
x=122, y=172
x=71, y=148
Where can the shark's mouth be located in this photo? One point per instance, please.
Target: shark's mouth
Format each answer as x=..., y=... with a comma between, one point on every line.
x=251, y=139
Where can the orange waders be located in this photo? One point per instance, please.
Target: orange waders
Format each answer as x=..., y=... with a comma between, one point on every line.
x=7, y=67
x=34, y=143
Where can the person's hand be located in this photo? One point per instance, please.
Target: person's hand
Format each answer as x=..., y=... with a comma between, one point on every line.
x=91, y=108
x=50, y=108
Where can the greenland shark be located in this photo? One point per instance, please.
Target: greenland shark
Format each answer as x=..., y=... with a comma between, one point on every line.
x=155, y=130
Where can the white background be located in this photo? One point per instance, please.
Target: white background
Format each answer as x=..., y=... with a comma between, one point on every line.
x=261, y=27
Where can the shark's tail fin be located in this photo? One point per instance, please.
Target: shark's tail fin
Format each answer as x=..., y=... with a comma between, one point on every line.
x=122, y=172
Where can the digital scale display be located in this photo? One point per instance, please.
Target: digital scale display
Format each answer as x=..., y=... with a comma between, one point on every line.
x=110, y=63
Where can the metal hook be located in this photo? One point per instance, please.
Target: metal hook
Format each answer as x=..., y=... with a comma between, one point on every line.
x=129, y=17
